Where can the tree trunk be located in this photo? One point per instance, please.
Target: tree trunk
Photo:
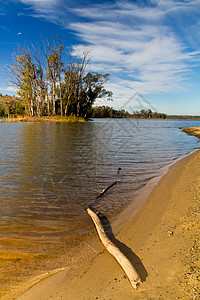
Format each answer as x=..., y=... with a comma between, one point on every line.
x=78, y=109
x=54, y=99
x=66, y=108
x=61, y=105
x=32, y=108
x=37, y=105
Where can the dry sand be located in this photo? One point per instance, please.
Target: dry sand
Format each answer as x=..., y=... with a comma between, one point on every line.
x=162, y=242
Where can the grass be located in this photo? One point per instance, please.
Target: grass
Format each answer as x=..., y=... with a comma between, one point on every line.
x=59, y=119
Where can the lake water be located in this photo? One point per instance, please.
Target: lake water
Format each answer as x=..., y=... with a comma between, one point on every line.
x=48, y=171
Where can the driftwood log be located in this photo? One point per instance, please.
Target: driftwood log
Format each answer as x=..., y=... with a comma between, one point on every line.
x=109, y=245
x=114, y=250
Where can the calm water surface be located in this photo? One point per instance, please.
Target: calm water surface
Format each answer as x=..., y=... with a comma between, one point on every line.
x=48, y=171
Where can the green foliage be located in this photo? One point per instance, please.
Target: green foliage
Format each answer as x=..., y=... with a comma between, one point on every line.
x=19, y=108
x=12, y=106
x=148, y=114
x=2, y=111
x=108, y=112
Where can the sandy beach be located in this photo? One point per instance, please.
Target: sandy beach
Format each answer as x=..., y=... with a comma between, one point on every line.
x=161, y=241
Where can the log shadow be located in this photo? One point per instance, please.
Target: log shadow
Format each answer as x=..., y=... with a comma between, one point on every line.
x=133, y=258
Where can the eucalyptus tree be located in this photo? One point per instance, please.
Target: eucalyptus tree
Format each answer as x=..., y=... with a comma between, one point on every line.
x=82, y=88
x=80, y=70
x=23, y=74
x=92, y=88
x=73, y=82
x=27, y=74
x=43, y=80
x=54, y=68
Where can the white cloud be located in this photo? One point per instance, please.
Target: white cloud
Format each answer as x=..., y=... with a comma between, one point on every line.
x=6, y=89
x=143, y=47
x=43, y=8
x=119, y=10
x=152, y=61
x=11, y=89
x=152, y=10
x=40, y=3
x=137, y=44
x=49, y=10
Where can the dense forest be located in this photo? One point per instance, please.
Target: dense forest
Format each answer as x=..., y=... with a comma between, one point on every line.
x=109, y=112
x=14, y=106
x=49, y=86
x=148, y=114
x=11, y=106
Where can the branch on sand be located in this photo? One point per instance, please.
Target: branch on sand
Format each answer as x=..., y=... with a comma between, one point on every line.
x=109, y=245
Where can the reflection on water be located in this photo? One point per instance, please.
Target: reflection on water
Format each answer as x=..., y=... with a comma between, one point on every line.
x=48, y=171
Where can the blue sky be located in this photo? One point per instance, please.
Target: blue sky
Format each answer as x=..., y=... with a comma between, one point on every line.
x=149, y=47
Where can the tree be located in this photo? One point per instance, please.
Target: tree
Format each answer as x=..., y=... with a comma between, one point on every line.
x=148, y=114
x=93, y=88
x=82, y=88
x=47, y=86
x=24, y=77
x=28, y=75
x=108, y=112
x=41, y=81
x=54, y=62
x=74, y=84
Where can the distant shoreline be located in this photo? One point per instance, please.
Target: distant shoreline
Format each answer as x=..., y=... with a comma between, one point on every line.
x=72, y=118
x=13, y=107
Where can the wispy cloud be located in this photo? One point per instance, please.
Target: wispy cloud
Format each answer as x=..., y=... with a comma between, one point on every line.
x=46, y=9
x=38, y=4
x=9, y=88
x=145, y=47
x=148, y=59
x=138, y=44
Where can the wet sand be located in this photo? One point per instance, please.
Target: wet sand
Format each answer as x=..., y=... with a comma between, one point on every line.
x=162, y=242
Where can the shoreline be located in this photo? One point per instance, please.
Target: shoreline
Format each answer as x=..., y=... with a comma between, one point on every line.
x=52, y=119
x=195, y=131
x=144, y=193
x=156, y=235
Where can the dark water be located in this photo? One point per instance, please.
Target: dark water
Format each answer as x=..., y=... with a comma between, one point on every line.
x=49, y=170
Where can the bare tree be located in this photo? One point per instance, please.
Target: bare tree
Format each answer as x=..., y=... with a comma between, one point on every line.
x=74, y=75
x=42, y=88
x=53, y=55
